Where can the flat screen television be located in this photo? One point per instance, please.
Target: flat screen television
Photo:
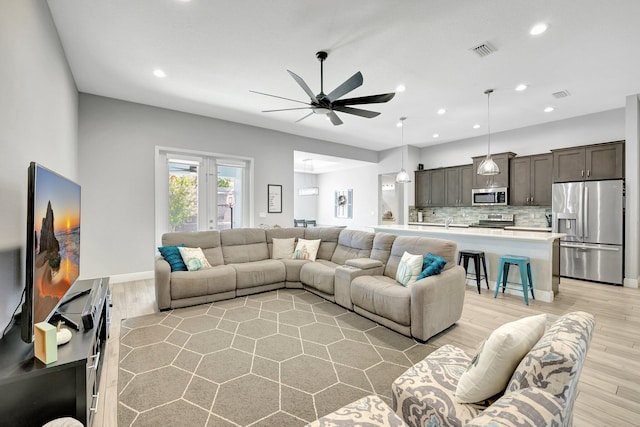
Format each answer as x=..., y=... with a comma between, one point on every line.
x=53, y=245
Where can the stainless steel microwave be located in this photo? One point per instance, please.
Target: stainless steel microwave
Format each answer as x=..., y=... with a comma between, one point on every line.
x=489, y=196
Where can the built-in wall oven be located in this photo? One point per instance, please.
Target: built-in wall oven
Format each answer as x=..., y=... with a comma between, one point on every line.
x=489, y=196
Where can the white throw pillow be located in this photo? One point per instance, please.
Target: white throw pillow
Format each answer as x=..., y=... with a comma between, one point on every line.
x=409, y=268
x=306, y=249
x=490, y=370
x=283, y=248
x=194, y=258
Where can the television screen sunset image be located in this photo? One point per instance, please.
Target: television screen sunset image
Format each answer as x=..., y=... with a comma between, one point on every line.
x=56, y=240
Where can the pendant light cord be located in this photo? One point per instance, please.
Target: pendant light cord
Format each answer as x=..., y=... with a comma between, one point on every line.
x=488, y=92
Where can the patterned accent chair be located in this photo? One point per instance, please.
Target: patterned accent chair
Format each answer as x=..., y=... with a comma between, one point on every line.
x=541, y=391
x=370, y=411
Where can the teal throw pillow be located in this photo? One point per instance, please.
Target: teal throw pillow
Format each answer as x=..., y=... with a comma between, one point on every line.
x=172, y=255
x=432, y=264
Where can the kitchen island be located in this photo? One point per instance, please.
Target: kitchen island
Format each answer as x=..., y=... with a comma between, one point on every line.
x=541, y=247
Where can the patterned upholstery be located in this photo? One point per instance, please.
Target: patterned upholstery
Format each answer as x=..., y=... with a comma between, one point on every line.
x=370, y=411
x=425, y=394
x=541, y=391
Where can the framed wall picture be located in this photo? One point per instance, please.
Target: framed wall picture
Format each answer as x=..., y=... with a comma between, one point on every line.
x=344, y=204
x=274, y=198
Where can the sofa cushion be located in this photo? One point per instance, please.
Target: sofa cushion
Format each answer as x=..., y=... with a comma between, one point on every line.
x=352, y=244
x=490, y=370
x=283, y=248
x=383, y=296
x=215, y=280
x=555, y=361
x=258, y=273
x=424, y=394
x=306, y=249
x=171, y=254
x=244, y=245
x=293, y=267
x=382, y=243
x=432, y=265
x=409, y=268
x=194, y=258
x=420, y=245
x=208, y=241
x=328, y=239
x=319, y=275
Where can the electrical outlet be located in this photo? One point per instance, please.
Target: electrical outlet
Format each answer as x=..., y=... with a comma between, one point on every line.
x=262, y=214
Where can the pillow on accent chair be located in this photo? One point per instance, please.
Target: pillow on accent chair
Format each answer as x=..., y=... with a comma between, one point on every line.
x=306, y=249
x=194, y=258
x=172, y=255
x=409, y=268
x=283, y=248
x=491, y=369
x=431, y=265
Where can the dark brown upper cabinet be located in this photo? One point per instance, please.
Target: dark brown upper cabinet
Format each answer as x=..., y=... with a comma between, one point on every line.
x=458, y=181
x=530, y=183
x=588, y=163
x=429, y=188
x=489, y=181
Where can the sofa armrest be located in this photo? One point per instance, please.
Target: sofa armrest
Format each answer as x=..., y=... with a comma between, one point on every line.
x=526, y=407
x=364, y=263
x=436, y=302
x=343, y=277
x=162, y=273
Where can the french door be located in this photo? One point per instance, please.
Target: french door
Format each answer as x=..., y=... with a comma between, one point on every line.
x=201, y=192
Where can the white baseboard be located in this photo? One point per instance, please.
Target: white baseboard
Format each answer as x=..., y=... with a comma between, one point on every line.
x=130, y=277
x=630, y=283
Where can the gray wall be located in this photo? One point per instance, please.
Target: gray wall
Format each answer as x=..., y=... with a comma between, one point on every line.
x=117, y=143
x=38, y=122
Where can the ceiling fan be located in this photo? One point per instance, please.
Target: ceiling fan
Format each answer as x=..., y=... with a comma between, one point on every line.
x=328, y=104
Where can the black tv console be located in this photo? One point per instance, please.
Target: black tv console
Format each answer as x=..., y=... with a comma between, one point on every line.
x=34, y=393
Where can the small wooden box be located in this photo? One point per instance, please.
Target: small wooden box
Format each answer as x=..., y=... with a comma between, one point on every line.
x=45, y=343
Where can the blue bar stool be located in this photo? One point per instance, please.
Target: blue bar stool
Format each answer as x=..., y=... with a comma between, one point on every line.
x=526, y=282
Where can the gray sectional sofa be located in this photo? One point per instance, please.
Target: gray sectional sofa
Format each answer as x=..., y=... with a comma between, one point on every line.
x=355, y=269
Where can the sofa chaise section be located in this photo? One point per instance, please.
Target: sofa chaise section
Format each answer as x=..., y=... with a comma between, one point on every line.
x=421, y=309
x=184, y=288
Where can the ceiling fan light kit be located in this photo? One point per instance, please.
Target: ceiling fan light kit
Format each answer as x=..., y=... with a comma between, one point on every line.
x=328, y=104
x=402, y=177
x=488, y=166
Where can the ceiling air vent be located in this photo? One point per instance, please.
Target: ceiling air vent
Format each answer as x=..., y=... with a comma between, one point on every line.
x=483, y=49
x=561, y=94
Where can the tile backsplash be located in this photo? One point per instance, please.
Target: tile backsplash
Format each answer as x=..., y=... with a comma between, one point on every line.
x=524, y=216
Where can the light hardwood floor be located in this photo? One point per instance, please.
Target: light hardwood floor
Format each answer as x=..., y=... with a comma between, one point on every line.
x=609, y=388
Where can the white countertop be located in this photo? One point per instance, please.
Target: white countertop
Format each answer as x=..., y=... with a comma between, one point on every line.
x=540, y=229
x=470, y=231
x=438, y=224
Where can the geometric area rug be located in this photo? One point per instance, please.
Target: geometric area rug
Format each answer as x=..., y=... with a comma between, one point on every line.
x=279, y=358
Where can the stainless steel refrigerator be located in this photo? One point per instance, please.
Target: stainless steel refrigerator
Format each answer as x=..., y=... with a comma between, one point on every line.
x=591, y=213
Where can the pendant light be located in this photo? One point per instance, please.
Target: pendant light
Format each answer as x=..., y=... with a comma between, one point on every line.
x=402, y=177
x=488, y=166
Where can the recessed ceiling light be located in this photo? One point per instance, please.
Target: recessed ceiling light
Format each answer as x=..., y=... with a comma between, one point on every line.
x=521, y=87
x=401, y=88
x=549, y=109
x=442, y=111
x=538, y=29
x=159, y=73
x=476, y=126
x=435, y=135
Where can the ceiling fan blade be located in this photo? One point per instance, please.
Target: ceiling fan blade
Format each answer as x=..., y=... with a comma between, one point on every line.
x=350, y=84
x=276, y=96
x=285, y=109
x=304, y=117
x=356, y=111
x=371, y=99
x=334, y=118
x=303, y=85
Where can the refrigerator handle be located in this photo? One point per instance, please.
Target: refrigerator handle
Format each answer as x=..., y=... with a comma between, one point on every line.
x=585, y=225
x=580, y=213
